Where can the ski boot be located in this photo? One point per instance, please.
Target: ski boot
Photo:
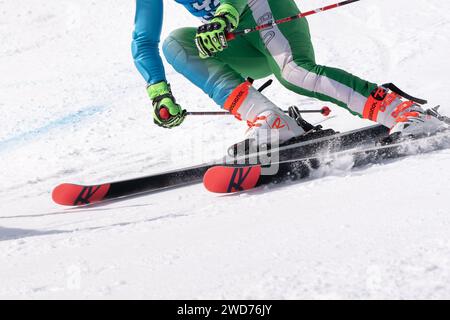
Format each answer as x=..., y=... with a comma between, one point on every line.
x=268, y=124
x=248, y=104
x=402, y=113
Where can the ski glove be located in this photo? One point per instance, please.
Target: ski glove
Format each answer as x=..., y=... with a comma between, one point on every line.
x=166, y=112
x=212, y=36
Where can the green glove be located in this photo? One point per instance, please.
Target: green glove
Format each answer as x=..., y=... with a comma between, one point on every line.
x=166, y=112
x=212, y=37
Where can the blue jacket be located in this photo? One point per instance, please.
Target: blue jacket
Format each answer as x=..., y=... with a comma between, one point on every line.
x=146, y=36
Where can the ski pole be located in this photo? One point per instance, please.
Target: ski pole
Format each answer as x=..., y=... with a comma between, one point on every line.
x=325, y=111
x=232, y=36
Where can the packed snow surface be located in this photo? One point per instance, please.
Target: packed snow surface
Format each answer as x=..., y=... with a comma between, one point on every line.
x=74, y=109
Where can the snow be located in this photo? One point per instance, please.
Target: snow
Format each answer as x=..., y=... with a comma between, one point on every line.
x=74, y=109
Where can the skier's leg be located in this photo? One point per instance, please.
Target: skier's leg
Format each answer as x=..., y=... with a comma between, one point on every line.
x=220, y=75
x=291, y=55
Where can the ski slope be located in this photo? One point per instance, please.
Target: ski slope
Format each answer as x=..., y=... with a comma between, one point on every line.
x=74, y=109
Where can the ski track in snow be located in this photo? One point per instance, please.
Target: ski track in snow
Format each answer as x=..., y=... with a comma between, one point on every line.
x=24, y=137
x=74, y=109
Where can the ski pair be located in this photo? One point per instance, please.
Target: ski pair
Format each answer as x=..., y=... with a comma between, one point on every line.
x=296, y=162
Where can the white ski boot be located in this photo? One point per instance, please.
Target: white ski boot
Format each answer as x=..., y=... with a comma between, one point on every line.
x=403, y=117
x=417, y=122
x=267, y=123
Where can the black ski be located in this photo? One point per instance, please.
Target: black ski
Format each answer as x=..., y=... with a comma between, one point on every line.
x=237, y=178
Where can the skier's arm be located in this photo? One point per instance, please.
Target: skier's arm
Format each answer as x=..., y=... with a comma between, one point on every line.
x=145, y=47
x=146, y=36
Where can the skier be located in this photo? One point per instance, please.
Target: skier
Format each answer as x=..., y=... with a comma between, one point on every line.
x=220, y=68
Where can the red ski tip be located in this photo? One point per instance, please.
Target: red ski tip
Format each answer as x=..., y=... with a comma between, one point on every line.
x=223, y=179
x=67, y=194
